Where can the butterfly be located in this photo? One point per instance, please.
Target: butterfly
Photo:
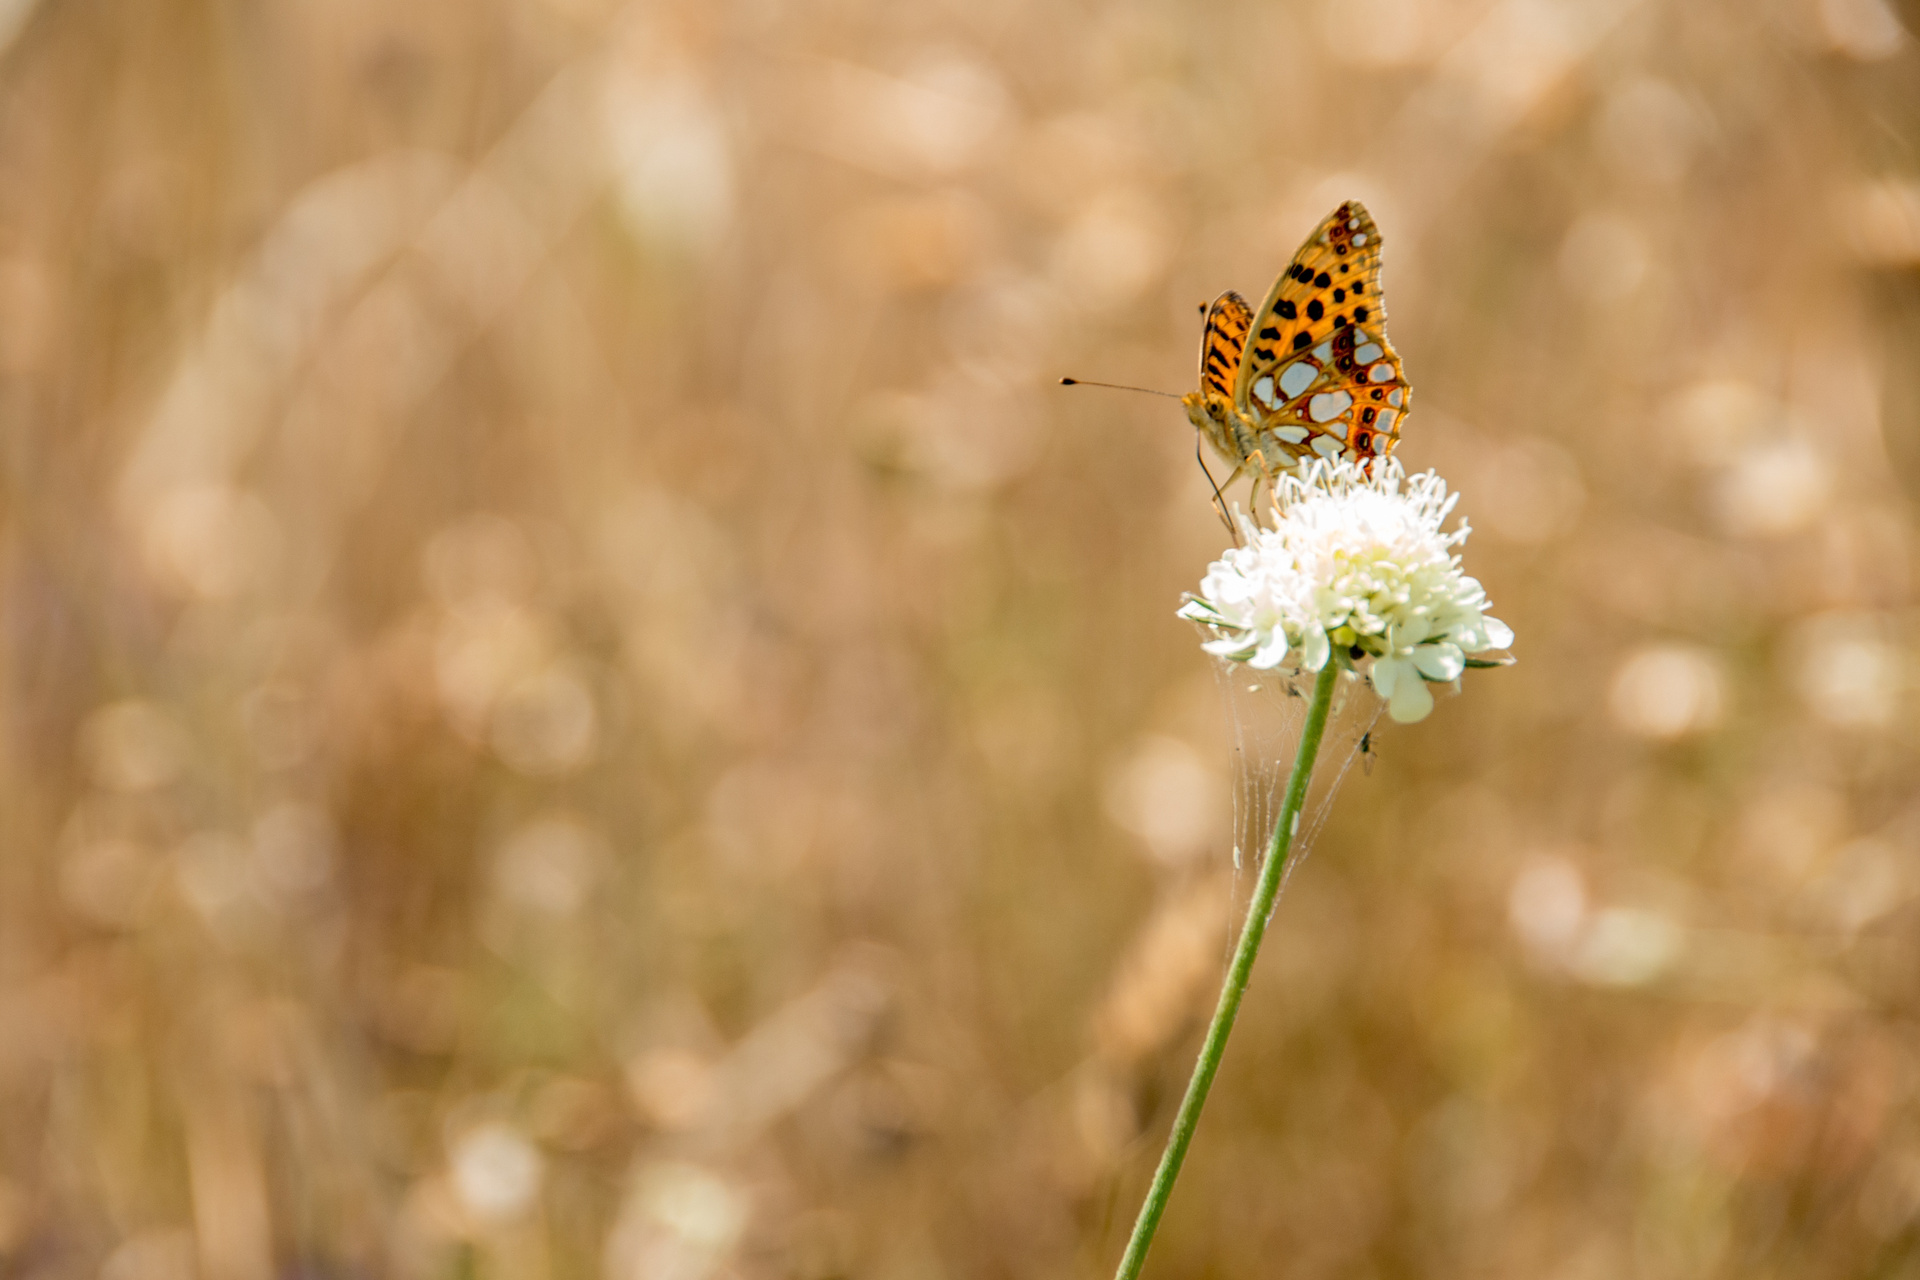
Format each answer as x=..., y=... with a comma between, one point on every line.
x=1311, y=374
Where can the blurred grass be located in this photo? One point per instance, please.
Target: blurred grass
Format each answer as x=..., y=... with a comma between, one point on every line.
x=578, y=703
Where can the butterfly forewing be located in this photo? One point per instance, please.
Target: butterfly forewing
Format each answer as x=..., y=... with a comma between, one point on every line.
x=1317, y=375
x=1228, y=320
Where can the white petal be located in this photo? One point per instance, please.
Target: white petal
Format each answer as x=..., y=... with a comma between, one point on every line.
x=1411, y=701
x=1226, y=588
x=1408, y=632
x=1270, y=653
x=1441, y=662
x=1229, y=647
x=1314, y=649
x=1499, y=634
x=1386, y=674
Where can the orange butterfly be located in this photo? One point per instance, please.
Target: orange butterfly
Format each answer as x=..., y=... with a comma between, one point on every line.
x=1314, y=375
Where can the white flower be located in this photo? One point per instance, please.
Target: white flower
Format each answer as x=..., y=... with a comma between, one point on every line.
x=1356, y=562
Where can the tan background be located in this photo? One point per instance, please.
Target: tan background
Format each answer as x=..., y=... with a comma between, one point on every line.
x=577, y=703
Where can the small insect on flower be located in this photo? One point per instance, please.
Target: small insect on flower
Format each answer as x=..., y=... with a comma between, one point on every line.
x=1352, y=566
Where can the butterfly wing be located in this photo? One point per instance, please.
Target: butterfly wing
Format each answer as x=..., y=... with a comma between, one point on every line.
x=1222, y=353
x=1318, y=376
x=1229, y=320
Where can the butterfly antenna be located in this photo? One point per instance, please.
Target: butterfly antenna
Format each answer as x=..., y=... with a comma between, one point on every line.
x=1116, y=386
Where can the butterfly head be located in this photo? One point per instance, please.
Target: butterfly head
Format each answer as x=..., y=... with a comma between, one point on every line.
x=1203, y=407
x=1214, y=417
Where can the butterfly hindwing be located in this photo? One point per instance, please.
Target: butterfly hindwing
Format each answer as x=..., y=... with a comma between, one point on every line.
x=1317, y=366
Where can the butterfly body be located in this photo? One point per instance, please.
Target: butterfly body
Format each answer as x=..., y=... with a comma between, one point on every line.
x=1310, y=373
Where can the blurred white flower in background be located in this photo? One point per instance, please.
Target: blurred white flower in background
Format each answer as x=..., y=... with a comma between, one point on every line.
x=1355, y=561
x=1851, y=668
x=679, y=1220
x=1552, y=912
x=1164, y=793
x=496, y=1172
x=1626, y=947
x=1548, y=905
x=1775, y=488
x=1668, y=691
x=672, y=156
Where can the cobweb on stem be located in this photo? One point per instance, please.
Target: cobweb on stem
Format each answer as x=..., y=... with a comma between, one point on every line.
x=1266, y=710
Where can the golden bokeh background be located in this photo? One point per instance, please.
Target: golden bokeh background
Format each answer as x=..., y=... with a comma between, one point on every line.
x=579, y=703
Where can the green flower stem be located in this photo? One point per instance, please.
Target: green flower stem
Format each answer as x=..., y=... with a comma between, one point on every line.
x=1238, y=973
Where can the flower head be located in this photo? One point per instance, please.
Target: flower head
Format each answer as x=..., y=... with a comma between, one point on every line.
x=1355, y=562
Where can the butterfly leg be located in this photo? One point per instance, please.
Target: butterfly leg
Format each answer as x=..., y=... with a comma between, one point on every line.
x=1219, y=498
x=1257, y=463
